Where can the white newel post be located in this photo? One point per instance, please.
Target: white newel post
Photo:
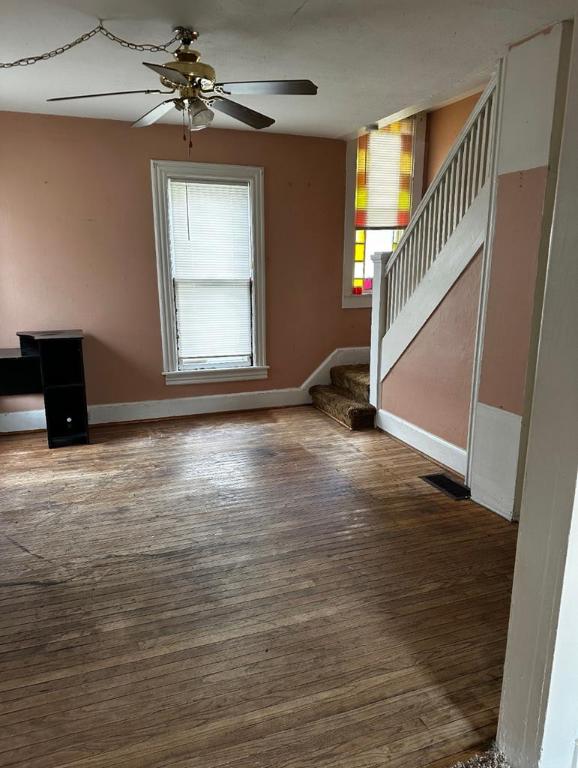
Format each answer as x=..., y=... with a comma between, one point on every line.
x=378, y=305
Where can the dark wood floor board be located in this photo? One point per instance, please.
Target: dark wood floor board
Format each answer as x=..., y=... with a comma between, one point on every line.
x=273, y=636
x=69, y=655
x=244, y=689
x=240, y=590
x=279, y=664
x=247, y=584
x=339, y=737
x=245, y=721
x=415, y=598
x=273, y=661
x=68, y=623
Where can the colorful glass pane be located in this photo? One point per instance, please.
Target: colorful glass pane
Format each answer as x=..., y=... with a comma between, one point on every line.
x=382, y=195
x=384, y=169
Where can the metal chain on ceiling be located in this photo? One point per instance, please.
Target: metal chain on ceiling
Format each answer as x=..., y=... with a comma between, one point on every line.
x=98, y=30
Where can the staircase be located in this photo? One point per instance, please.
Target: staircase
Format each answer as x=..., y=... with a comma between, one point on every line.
x=346, y=399
x=447, y=229
x=444, y=234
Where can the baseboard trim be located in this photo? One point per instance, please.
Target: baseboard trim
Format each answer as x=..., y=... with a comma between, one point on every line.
x=435, y=447
x=147, y=410
x=28, y=421
x=22, y=421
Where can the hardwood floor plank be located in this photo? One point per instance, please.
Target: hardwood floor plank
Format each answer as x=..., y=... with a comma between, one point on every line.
x=238, y=590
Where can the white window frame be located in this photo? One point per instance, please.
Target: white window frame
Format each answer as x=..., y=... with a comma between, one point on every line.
x=161, y=172
x=348, y=299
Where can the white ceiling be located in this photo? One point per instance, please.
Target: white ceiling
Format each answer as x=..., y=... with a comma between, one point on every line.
x=370, y=58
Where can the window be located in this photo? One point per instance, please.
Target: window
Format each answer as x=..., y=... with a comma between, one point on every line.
x=209, y=239
x=384, y=175
x=367, y=242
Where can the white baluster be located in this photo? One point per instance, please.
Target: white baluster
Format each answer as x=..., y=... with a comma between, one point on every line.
x=476, y=158
x=470, y=166
x=459, y=185
x=419, y=259
x=489, y=114
x=440, y=216
x=434, y=225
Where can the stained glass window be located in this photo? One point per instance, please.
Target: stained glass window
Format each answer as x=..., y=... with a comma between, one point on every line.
x=382, y=195
x=368, y=242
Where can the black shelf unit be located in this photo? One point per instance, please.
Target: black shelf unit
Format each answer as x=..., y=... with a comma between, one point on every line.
x=50, y=362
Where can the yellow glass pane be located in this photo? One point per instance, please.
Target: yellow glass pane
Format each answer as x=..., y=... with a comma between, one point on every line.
x=405, y=163
x=359, y=252
x=404, y=200
x=361, y=199
x=358, y=283
x=359, y=235
x=397, y=235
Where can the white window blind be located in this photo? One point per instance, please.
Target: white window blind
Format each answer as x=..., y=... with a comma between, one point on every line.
x=212, y=268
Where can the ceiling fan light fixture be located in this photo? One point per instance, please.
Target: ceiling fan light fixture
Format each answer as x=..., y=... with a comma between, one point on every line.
x=200, y=116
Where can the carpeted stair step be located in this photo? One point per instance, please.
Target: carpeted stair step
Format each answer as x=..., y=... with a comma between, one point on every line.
x=342, y=406
x=354, y=378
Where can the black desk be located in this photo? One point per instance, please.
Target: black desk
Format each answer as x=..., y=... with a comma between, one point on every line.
x=50, y=362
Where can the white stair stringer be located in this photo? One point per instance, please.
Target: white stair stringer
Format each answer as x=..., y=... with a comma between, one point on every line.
x=454, y=257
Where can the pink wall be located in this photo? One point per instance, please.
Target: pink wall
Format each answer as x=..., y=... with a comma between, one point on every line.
x=443, y=127
x=519, y=205
x=430, y=385
x=77, y=247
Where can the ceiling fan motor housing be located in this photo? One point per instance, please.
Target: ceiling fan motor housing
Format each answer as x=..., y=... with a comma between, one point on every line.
x=188, y=64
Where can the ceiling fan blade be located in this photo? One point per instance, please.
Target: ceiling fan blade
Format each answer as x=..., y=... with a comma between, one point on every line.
x=242, y=113
x=272, y=87
x=154, y=114
x=168, y=73
x=111, y=93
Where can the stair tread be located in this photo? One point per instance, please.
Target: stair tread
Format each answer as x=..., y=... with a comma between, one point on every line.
x=341, y=394
x=342, y=406
x=354, y=378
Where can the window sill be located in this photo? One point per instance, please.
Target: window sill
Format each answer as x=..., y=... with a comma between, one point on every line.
x=223, y=374
x=356, y=302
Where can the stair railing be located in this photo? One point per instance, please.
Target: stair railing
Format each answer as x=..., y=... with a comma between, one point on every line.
x=451, y=193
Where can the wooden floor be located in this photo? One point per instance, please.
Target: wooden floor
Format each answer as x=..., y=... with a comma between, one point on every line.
x=258, y=590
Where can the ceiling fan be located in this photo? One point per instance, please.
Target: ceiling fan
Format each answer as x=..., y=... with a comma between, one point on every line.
x=198, y=90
